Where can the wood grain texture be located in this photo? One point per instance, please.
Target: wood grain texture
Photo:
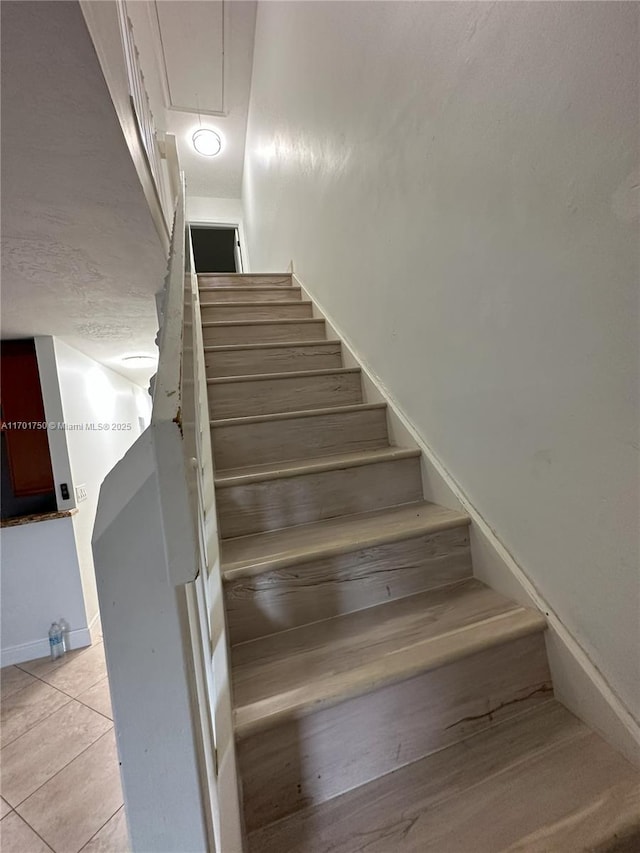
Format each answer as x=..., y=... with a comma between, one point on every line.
x=343, y=583
x=263, y=332
x=278, y=358
x=555, y=787
x=304, y=435
x=255, y=293
x=287, y=501
x=212, y=280
x=250, y=556
x=307, y=761
x=231, y=397
x=249, y=311
x=292, y=673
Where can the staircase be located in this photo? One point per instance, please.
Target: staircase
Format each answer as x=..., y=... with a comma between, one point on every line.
x=385, y=700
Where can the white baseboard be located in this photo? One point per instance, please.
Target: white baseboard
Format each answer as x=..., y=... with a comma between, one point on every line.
x=578, y=683
x=23, y=652
x=95, y=627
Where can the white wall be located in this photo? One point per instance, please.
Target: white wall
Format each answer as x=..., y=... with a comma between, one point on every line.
x=457, y=184
x=47, y=567
x=226, y=211
x=40, y=583
x=93, y=394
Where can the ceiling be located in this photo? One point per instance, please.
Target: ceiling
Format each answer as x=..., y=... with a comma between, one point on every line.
x=197, y=59
x=81, y=258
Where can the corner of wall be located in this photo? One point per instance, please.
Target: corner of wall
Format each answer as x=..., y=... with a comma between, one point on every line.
x=54, y=414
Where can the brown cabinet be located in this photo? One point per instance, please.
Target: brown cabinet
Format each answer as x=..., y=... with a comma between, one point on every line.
x=27, y=447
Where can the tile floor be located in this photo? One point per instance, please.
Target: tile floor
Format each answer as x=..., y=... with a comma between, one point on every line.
x=59, y=781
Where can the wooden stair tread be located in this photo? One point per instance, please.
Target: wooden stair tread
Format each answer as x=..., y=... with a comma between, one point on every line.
x=249, y=322
x=289, y=674
x=540, y=782
x=293, y=374
x=248, y=288
x=247, y=556
x=270, y=345
x=299, y=467
x=303, y=413
x=238, y=278
x=246, y=304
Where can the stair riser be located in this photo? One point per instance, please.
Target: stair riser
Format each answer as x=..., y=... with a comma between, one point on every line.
x=287, y=598
x=298, y=438
x=272, y=504
x=263, y=311
x=310, y=760
x=285, y=394
x=272, y=360
x=250, y=333
x=257, y=295
x=212, y=280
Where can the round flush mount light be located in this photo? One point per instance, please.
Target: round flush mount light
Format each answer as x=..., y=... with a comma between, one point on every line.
x=207, y=142
x=139, y=360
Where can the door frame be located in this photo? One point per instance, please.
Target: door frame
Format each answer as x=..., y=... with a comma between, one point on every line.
x=240, y=249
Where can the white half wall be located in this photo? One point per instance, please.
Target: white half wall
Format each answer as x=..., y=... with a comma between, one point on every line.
x=93, y=395
x=457, y=184
x=40, y=584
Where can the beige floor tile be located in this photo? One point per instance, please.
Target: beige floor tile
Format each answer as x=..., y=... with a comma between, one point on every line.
x=5, y=808
x=98, y=698
x=22, y=709
x=77, y=671
x=112, y=838
x=44, y=666
x=11, y=679
x=70, y=808
x=17, y=837
x=31, y=760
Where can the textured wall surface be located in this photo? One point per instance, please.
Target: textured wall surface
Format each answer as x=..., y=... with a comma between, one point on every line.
x=81, y=258
x=457, y=183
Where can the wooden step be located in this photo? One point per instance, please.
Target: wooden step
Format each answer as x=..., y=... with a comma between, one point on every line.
x=540, y=782
x=344, y=583
x=245, y=359
x=262, y=331
x=262, y=498
x=212, y=280
x=299, y=435
x=282, y=579
x=250, y=556
x=249, y=311
x=255, y=293
x=262, y=394
x=294, y=673
x=323, y=708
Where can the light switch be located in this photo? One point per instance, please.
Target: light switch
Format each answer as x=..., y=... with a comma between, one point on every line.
x=81, y=493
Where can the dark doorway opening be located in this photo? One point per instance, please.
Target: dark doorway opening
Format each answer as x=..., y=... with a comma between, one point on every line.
x=216, y=249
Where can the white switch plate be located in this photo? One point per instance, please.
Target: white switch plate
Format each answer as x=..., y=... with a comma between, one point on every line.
x=81, y=493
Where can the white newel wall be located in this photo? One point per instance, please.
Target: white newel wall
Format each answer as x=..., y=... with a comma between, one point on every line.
x=457, y=185
x=40, y=583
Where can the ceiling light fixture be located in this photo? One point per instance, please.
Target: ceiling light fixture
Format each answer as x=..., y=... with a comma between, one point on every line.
x=207, y=142
x=138, y=360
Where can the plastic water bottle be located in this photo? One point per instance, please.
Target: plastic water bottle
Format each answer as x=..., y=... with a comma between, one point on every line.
x=55, y=641
x=64, y=627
